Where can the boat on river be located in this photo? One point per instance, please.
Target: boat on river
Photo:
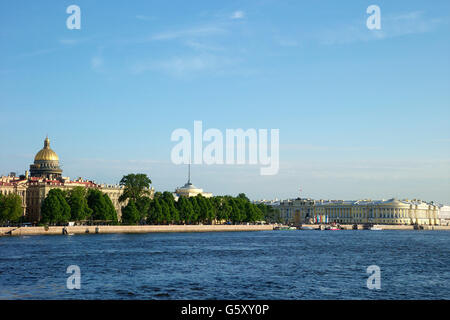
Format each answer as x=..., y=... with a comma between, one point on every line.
x=284, y=228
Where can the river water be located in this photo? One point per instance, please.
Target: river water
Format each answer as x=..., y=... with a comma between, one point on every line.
x=228, y=265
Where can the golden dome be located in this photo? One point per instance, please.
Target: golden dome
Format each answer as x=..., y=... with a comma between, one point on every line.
x=46, y=153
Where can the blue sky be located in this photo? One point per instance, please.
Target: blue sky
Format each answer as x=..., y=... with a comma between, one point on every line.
x=361, y=113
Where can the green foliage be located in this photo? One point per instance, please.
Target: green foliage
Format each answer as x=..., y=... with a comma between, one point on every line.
x=130, y=213
x=79, y=209
x=55, y=208
x=165, y=212
x=270, y=214
x=174, y=213
x=10, y=208
x=164, y=209
x=101, y=205
x=155, y=215
x=143, y=206
x=185, y=209
x=135, y=186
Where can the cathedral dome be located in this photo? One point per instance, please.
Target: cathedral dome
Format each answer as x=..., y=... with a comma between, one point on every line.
x=46, y=154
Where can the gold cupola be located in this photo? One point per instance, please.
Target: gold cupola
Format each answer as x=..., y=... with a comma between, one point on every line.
x=46, y=163
x=46, y=154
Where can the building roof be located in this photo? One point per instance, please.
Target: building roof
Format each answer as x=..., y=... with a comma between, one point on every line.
x=46, y=153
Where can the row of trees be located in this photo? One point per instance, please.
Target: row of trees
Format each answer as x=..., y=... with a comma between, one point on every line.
x=163, y=209
x=77, y=204
x=10, y=208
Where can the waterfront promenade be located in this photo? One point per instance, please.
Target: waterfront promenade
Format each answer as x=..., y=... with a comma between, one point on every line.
x=58, y=230
x=384, y=227
x=61, y=230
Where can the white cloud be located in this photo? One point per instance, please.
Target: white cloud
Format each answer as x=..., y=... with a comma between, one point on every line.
x=238, y=15
x=37, y=53
x=184, y=65
x=202, y=31
x=71, y=42
x=202, y=46
x=391, y=26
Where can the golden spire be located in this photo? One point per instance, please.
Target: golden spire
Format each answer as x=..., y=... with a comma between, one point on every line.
x=47, y=143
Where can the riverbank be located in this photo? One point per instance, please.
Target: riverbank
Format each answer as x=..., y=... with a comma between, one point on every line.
x=60, y=230
x=384, y=227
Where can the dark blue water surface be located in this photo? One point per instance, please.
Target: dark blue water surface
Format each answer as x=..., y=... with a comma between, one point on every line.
x=228, y=265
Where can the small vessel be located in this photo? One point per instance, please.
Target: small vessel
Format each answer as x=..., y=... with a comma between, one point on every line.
x=306, y=228
x=375, y=228
x=284, y=228
x=333, y=227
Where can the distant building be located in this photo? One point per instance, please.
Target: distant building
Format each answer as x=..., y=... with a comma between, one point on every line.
x=46, y=174
x=391, y=211
x=444, y=215
x=189, y=190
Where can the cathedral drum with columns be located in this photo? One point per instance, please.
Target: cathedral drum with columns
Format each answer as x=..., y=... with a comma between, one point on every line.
x=46, y=163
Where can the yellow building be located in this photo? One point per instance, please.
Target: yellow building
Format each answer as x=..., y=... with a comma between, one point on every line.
x=392, y=211
x=189, y=190
x=46, y=174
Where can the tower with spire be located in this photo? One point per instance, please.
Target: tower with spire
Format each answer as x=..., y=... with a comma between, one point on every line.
x=189, y=190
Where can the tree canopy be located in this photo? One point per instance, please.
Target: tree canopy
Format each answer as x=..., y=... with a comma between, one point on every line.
x=135, y=186
x=55, y=208
x=10, y=208
x=79, y=208
x=130, y=213
x=101, y=205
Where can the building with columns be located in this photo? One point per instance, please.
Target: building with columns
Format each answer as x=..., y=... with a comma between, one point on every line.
x=45, y=174
x=392, y=211
x=189, y=190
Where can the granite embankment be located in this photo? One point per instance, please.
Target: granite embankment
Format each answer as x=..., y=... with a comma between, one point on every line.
x=59, y=230
x=385, y=227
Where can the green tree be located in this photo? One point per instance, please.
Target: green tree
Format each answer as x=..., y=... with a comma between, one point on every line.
x=253, y=213
x=195, y=209
x=143, y=205
x=269, y=213
x=157, y=195
x=185, y=209
x=79, y=209
x=223, y=208
x=169, y=199
x=202, y=208
x=135, y=186
x=166, y=217
x=101, y=205
x=155, y=215
x=55, y=208
x=130, y=213
x=238, y=211
x=242, y=196
x=10, y=208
